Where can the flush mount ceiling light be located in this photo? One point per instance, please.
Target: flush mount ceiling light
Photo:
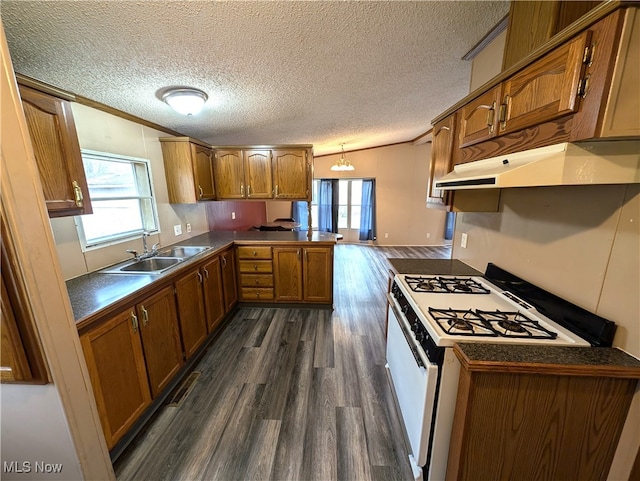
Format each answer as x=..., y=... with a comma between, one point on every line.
x=342, y=164
x=185, y=101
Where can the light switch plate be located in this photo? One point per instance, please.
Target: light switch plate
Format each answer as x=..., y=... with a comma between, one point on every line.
x=463, y=240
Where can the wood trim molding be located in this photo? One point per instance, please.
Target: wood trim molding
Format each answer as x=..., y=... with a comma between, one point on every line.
x=364, y=148
x=423, y=138
x=36, y=255
x=499, y=27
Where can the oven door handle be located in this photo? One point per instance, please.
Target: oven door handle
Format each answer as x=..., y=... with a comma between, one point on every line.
x=410, y=343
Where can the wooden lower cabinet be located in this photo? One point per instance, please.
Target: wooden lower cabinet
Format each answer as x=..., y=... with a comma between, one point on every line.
x=303, y=274
x=191, y=310
x=287, y=272
x=317, y=272
x=116, y=365
x=158, y=319
x=213, y=293
x=227, y=260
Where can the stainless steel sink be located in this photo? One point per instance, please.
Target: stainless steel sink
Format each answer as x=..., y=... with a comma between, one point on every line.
x=152, y=265
x=182, y=251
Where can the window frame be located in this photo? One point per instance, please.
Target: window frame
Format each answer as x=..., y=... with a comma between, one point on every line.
x=124, y=236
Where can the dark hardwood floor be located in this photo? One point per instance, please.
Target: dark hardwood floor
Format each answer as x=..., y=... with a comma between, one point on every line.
x=290, y=394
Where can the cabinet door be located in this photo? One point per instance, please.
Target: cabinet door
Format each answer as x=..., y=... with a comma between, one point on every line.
x=203, y=170
x=213, y=293
x=160, y=338
x=257, y=170
x=545, y=90
x=441, y=159
x=479, y=118
x=227, y=259
x=57, y=153
x=228, y=171
x=13, y=357
x=291, y=174
x=118, y=375
x=287, y=271
x=191, y=312
x=318, y=274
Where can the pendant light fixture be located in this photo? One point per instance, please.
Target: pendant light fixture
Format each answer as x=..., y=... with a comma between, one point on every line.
x=342, y=164
x=185, y=100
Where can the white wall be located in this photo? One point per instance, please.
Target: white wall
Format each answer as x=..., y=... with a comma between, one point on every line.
x=34, y=430
x=401, y=172
x=104, y=132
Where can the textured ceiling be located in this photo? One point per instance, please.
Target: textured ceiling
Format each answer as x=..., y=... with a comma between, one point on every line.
x=362, y=73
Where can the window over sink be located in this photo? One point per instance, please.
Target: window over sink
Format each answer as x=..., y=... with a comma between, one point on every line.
x=121, y=192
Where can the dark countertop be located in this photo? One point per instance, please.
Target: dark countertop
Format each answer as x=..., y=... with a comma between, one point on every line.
x=443, y=267
x=95, y=291
x=567, y=360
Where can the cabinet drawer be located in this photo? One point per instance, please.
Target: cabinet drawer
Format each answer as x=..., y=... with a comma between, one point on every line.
x=257, y=293
x=255, y=266
x=251, y=252
x=256, y=280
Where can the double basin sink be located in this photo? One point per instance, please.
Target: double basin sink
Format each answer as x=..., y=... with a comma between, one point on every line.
x=157, y=264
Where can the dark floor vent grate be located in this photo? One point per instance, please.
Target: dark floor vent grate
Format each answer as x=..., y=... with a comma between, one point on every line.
x=180, y=393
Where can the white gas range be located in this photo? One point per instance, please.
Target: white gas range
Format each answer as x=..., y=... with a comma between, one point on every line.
x=428, y=314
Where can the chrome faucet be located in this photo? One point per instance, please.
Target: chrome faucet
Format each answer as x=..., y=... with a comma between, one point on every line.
x=146, y=252
x=145, y=234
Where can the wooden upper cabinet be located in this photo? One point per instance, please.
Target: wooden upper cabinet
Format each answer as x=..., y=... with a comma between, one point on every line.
x=257, y=172
x=441, y=159
x=57, y=152
x=546, y=89
x=158, y=320
x=291, y=174
x=532, y=23
x=188, y=170
x=479, y=118
x=116, y=365
x=228, y=167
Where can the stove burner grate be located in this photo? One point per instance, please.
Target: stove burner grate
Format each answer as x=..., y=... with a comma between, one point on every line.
x=462, y=322
x=515, y=324
x=448, y=285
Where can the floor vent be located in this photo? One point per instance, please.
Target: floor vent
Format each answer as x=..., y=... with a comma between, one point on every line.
x=180, y=393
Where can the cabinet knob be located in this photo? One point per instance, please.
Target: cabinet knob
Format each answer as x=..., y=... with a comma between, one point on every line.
x=255, y=267
x=255, y=253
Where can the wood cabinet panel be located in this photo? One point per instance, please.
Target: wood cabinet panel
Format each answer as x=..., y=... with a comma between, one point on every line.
x=188, y=170
x=213, y=293
x=256, y=280
x=257, y=294
x=160, y=338
x=287, y=268
x=441, y=160
x=13, y=357
x=191, y=311
x=228, y=169
x=203, y=168
x=116, y=365
x=478, y=120
x=318, y=274
x=227, y=259
x=254, y=252
x=255, y=266
x=545, y=90
x=291, y=174
x=57, y=153
x=258, y=172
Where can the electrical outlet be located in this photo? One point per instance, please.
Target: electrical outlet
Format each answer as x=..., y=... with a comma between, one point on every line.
x=428, y=235
x=233, y=215
x=386, y=235
x=177, y=229
x=463, y=240
x=188, y=227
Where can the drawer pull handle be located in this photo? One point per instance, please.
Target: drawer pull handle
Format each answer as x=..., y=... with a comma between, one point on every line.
x=201, y=192
x=206, y=272
x=199, y=277
x=491, y=113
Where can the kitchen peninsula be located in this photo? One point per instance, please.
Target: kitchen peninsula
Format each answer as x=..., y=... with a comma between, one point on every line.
x=142, y=334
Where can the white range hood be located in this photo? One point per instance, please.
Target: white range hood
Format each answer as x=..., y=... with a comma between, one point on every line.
x=581, y=163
